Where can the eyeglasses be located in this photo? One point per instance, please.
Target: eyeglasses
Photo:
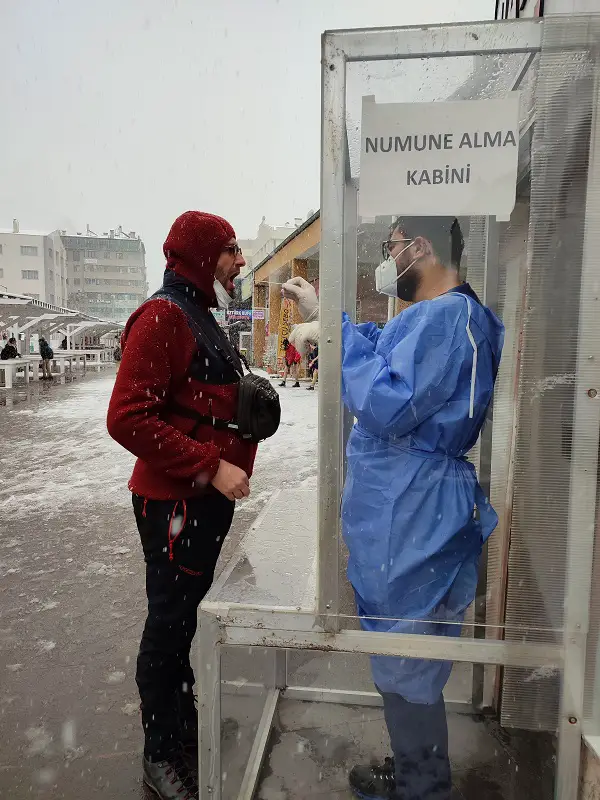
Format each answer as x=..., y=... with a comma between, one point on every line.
x=385, y=246
x=234, y=249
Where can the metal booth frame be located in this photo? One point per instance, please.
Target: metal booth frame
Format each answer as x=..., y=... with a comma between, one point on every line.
x=225, y=623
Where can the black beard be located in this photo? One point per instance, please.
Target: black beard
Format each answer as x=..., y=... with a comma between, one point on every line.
x=408, y=285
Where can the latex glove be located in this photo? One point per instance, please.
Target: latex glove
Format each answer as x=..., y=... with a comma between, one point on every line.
x=304, y=295
x=303, y=334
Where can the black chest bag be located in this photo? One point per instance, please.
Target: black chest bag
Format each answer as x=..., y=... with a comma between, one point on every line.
x=218, y=362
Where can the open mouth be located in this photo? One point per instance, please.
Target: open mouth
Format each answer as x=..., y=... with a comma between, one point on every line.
x=230, y=285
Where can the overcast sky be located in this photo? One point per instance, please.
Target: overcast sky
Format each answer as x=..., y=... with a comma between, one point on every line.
x=131, y=111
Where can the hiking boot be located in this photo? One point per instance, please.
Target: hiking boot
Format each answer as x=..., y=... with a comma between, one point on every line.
x=374, y=782
x=296, y=385
x=170, y=780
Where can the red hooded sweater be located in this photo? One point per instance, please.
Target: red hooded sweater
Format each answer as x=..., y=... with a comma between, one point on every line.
x=158, y=350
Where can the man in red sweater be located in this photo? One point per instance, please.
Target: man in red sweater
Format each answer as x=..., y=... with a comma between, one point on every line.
x=175, y=392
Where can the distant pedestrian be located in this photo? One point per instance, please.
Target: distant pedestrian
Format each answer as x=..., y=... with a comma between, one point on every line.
x=291, y=358
x=117, y=354
x=63, y=344
x=10, y=350
x=313, y=366
x=46, y=354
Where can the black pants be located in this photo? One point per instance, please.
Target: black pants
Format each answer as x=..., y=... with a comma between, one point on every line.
x=181, y=543
x=419, y=737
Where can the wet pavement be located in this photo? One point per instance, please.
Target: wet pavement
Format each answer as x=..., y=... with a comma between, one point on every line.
x=72, y=606
x=72, y=600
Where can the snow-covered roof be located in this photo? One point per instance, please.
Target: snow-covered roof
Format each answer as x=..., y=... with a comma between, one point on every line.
x=117, y=233
x=21, y=303
x=26, y=232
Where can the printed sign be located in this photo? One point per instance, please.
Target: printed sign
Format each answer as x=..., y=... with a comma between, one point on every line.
x=258, y=313
x=515, y=9
x=285, y=325
x=240, y=314
x=219, y=315
x=456, y=158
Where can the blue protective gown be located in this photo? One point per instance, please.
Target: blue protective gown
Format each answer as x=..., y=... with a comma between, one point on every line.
x=419, y=390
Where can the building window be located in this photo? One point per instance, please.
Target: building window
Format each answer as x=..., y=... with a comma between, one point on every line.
x=34, y=296
x=1, y=273
x=0, y=249
x=51, y=274
x=107, y=254
x=120, y=256
x=90, y=254
x=50, y=252
x=30, y=274
x=76, y=255
x=76, y=269
x=77, y=281
x=28, y=250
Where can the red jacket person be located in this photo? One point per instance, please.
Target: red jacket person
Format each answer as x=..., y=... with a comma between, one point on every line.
x=178, y=375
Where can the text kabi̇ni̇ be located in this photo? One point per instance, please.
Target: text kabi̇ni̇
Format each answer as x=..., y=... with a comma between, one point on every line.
x=446, y=174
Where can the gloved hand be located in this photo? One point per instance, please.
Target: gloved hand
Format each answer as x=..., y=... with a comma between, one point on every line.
x=304, y=333
x=305, y=297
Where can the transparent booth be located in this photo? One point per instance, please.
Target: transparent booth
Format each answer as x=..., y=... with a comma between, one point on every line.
x=496, y=125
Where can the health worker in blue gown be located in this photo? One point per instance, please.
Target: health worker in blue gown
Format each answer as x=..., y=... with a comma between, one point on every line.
x=414, y=517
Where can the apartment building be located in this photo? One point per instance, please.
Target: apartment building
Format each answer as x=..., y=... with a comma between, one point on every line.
x=33, y=263
x=107, y=273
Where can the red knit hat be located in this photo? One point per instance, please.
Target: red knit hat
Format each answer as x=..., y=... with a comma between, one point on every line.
x=193, y=247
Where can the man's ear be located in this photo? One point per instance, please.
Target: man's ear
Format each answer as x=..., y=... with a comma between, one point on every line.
x=422, y=247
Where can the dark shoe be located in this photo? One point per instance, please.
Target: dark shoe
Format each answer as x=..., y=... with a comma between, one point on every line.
x=310, y=388
x=170, y=780
x=296, y=385
x=282, y=383
x=374, y=782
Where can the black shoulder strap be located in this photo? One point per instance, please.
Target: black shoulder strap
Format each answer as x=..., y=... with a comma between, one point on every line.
x=209, y=333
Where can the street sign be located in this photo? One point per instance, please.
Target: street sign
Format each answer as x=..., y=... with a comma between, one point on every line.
x=240, y=314
x=258, y=313
x=439, y=159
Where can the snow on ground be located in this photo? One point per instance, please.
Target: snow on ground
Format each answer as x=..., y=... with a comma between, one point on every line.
x=60, y=454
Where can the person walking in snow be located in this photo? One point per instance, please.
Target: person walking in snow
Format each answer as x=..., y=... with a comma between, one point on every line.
x=313, y=365
x=46, y=354
x=175, y=396
x=291, y=359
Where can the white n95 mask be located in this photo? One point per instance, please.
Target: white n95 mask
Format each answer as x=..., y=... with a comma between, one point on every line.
x=386, y=274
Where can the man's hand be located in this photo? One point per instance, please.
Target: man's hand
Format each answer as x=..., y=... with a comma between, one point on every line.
x=231, y=481
x=304, y=295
